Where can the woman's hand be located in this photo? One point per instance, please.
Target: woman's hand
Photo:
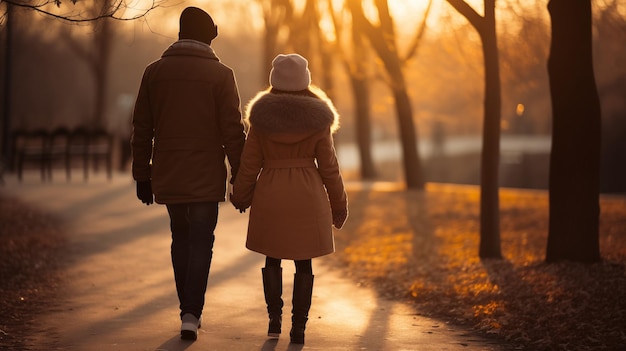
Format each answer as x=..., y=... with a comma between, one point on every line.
x=238, y=205
x=339, y=218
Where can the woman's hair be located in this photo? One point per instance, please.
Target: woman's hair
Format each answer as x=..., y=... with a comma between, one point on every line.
x=305, y=92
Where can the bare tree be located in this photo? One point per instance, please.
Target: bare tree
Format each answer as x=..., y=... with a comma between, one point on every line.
x=575, y=158
x=275, y=14
x=306, y=37
x=97, y=54
x=489, y=198
x=609, y=28
x=382, y=38
x=286, y=28
x=353, y=56
x=113, y=9
x=301, y=31
x=7, y=98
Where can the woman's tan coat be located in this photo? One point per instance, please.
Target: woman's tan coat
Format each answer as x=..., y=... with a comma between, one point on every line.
x=290, y=149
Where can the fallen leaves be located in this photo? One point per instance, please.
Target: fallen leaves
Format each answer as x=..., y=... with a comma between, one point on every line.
x=423, y=246
x=29, y=269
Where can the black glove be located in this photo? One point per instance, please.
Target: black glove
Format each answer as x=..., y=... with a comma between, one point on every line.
x=233, y=175
x=144, y=192
x=339, y=218
x=241, y=207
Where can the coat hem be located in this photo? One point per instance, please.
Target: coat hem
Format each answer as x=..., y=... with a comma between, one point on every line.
x=186, y=200
x=305, y=256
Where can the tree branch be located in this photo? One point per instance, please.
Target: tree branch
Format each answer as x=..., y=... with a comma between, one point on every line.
x=381, y=38
x=418, y=35
x=468, y=12
x=77, y=18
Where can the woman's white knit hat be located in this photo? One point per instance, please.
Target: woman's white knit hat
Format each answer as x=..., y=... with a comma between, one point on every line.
x=290, y=73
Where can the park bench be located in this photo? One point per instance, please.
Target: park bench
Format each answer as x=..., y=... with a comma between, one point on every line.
x=46, y=149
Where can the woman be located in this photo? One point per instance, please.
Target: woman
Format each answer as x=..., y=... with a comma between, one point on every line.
x=290, y=178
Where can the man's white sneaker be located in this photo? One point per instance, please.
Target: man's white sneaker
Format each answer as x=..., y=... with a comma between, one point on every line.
x=189, y=327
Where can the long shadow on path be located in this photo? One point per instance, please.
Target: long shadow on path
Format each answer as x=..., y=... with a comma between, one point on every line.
x=121, y=293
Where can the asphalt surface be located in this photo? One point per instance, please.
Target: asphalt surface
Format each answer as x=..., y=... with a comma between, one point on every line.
x=119, y=290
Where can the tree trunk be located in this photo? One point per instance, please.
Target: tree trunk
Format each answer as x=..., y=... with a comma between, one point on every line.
x=101, y=74
x=361, y=94
x=269, y=51
x=404, y=113
x=273, y=16
x=410, y=155
x=383, y=40
x=489, y=183
x=326, y=72
x=7, y=152
x=103, y=39
x=489, y=203
x=406, y=128
x=576, y=115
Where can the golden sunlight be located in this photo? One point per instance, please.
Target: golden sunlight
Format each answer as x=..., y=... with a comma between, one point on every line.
x=408, y=14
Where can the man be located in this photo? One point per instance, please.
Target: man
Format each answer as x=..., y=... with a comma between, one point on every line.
x=187, y=118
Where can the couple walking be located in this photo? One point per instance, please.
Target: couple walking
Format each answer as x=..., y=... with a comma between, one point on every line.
x=187, y=120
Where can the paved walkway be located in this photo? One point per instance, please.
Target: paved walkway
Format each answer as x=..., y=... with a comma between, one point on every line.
x=120, y=291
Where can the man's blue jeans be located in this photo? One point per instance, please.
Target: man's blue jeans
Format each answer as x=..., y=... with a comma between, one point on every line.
x=192, y=228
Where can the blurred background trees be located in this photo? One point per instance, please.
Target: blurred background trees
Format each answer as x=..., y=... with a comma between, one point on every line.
x=381, y=35
x=55, y=84
x=95, y=50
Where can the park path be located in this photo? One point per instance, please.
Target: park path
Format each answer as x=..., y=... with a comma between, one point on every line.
x=119, y=294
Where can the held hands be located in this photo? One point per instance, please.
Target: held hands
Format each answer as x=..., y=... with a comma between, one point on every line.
x=144, y=192
x=339, y=218
x=238, y=205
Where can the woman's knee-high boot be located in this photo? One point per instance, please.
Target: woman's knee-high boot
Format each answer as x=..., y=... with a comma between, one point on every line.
x=273, y=289
x=302, y=292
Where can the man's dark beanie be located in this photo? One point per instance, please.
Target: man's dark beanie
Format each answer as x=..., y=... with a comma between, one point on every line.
x=197, y=25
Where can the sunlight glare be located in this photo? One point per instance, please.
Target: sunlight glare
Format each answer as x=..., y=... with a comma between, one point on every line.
x=136, y=8
x=519, y=110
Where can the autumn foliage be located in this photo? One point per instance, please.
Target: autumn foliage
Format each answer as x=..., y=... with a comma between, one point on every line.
x=423, y=246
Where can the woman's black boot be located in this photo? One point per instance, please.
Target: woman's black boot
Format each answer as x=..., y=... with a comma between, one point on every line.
x=302, y=292
x=273, y=289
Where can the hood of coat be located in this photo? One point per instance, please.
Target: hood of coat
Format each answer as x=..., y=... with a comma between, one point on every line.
x=291, y=118
x=190, y=47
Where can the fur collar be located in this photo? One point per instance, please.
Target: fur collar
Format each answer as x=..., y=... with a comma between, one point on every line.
x=286, y=114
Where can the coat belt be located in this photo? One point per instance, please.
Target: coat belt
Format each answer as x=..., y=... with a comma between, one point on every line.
x=290, y=163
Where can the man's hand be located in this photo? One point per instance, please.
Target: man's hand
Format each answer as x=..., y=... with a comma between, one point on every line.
x=144, y=192
x=241, y=207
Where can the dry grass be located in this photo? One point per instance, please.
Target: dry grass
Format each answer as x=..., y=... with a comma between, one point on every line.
x=423, y=246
